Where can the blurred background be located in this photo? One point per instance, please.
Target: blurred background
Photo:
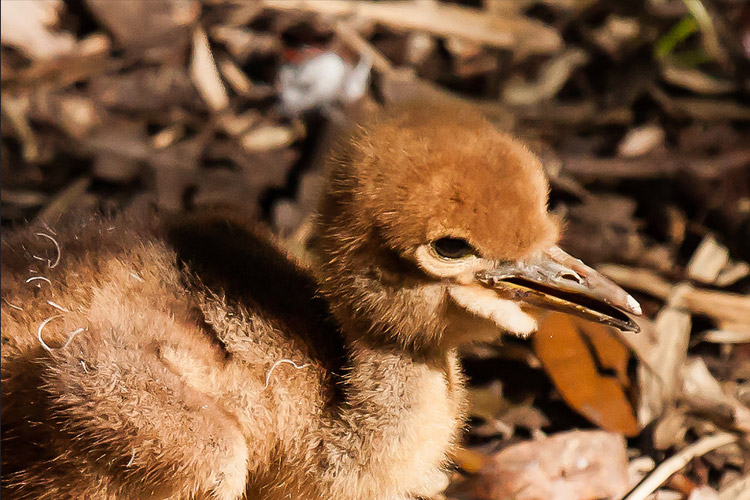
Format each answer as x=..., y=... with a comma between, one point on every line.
x=639, y=110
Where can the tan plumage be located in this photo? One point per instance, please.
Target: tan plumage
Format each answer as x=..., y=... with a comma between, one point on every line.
x=207, y=364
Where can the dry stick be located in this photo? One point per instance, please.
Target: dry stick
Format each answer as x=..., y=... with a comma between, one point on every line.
x=723, y=306
x=64, y=201
x=676, y=462
x=11, y=109
x=354, y=40
x=440, y=20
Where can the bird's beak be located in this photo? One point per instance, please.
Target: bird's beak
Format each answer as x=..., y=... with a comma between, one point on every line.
x=555, y=280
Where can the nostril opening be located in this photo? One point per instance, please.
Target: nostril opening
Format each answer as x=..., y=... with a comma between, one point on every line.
x=572, y=277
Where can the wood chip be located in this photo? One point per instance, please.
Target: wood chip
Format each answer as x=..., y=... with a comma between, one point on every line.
x=204, y=73
x=235, y=76
x=267, y=137
x=708, y=260
x=732, y=273
x=641, y=140
x=726, y=337
x=656, y=165
x=64, y=202
x=693, y=79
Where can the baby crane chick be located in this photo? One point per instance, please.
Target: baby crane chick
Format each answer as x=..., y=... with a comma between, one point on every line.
x=192, y=358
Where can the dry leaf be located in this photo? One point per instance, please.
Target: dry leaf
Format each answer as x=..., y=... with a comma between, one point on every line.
x=26, y=25
x=660, y=384
x=578, y=465
x=143, y=23
x=588, y=365
x=736, y=490
x=704, y=392
x=469, y=460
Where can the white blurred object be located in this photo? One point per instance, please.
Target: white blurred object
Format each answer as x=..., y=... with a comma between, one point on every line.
x=27, y=26
x=704, y=493
x=321, y=80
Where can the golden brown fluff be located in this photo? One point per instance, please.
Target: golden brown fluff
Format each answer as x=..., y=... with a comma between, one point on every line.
x=423, y=171
x=193, y=358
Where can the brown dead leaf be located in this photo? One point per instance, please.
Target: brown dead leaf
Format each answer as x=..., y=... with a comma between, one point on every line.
x=588, y=365
x=144, y=23
x=704, y=392
x=660, y=383
x=584, y=465
x=144, y=89
x=28, y=26
x=469, y=460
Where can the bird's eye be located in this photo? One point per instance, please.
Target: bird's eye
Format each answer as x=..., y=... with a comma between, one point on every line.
x=453, y=248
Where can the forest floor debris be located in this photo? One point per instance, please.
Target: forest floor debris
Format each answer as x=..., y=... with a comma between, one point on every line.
x=639, y=112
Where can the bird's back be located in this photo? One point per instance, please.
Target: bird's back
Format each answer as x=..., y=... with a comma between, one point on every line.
x=109, y=316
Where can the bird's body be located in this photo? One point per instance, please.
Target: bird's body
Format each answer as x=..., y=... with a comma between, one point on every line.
x=193, y=358
x=173, y=389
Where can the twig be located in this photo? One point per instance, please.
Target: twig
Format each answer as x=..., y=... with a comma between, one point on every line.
x=710, y=38
x=656, y=165
x=13, y=110
x=64, y=201
x=517, y=33
x=723, y=306
x=354, y=40
x=673, y=464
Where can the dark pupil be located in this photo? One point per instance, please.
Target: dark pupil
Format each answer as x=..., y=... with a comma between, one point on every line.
x=452, y=248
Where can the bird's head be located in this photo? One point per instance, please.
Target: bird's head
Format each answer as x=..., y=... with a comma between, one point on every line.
x=434, y=231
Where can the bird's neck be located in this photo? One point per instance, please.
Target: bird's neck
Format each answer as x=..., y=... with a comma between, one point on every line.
x=401, y=411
